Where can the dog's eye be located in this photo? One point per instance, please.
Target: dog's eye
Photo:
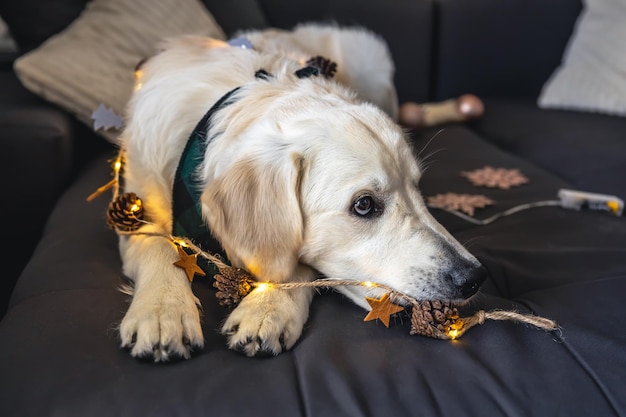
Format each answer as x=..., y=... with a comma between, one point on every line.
x=364, y=206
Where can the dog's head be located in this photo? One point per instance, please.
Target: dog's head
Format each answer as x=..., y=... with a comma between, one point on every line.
x=333, y=184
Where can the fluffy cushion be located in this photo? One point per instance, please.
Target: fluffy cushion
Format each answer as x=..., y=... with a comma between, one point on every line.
x=592, y=75
x=92, y=62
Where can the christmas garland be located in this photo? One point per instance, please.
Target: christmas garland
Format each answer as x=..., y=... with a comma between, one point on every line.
x=436, y=319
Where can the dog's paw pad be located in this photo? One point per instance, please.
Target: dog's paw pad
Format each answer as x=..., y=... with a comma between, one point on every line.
x=128, y=342
x=264, y=325
x=244, y=345
x=161, y=331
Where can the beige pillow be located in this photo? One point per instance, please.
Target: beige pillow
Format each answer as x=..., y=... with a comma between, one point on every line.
x=592, y=75
x=91, y=64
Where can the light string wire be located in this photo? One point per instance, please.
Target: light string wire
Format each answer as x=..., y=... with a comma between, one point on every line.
x=512, y=210
x=458, y=329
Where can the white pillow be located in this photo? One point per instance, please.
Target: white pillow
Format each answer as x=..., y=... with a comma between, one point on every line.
x=92, y=62
x=592, y=75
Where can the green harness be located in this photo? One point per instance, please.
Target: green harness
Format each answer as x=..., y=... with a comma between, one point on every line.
x=186, y=207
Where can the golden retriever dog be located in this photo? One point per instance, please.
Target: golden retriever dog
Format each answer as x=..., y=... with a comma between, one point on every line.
x=302, y=174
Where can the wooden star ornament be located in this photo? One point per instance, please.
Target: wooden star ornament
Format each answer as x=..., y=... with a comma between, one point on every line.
x=382, y=308
x=189, y=263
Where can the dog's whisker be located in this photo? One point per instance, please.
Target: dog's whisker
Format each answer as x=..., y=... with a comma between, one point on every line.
x=426, y=162
x=431, y=154
x=471, y=241
x=425, y=165
x=429, y=142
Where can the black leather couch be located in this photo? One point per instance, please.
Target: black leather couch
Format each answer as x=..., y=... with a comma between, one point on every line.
x=59, y=350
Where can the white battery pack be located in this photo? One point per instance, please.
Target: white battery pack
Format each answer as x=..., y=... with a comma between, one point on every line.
x=582, y=200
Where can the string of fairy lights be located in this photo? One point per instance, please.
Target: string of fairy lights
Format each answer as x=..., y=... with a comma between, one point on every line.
x=127, y=219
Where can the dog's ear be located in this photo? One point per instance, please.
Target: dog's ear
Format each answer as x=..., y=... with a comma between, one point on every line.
x=255, y=213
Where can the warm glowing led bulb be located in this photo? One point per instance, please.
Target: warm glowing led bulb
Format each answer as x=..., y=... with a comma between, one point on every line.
x=369, y=284
x=263, y=286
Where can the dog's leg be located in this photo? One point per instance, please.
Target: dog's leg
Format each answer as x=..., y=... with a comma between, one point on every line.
x=270, y=320
x=163, y=321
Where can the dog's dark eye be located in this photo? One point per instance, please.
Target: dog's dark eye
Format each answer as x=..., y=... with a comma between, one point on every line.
x=364, y=206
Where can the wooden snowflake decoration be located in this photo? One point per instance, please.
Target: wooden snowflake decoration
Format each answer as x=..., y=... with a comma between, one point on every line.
x=460, y=202
x=495, y=177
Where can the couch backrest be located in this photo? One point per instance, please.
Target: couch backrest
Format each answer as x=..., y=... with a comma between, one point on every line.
x=445, y=48
x=499, y=47
x=442, y=48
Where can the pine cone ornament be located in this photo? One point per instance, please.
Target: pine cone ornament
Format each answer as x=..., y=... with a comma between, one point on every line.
x=434, y=319
x=125, y=212
x=326, y=66
x=232, y=285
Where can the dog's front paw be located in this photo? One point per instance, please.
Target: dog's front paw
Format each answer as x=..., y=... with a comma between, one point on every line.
x=162, y=328
x=266, y=322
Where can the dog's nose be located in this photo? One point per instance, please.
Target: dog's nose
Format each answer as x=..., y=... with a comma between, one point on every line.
x=469, y=279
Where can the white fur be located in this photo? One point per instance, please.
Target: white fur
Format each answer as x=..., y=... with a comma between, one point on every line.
x=279, y=184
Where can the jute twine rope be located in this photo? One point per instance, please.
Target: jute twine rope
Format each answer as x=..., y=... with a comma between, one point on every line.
x=463, y=324
x=459, y=327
